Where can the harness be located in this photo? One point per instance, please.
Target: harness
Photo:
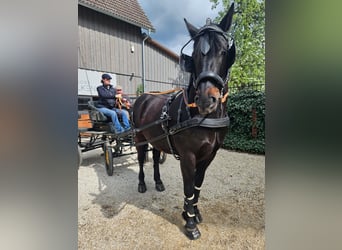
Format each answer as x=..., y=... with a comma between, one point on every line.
x=191, y=122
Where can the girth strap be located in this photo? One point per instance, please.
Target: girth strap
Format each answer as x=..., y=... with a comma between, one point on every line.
x=165, y=124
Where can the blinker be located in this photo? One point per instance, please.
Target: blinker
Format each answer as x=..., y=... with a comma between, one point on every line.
x=186, y=63
x=205, y=46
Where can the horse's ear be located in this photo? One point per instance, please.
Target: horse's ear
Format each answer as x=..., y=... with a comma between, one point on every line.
x=231, y=55
x=192, y=29
x=227, y=19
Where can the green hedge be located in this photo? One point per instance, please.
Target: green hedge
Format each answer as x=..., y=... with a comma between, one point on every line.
x=139, y=90
x=246, y=110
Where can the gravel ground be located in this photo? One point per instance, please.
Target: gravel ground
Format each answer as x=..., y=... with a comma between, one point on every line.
x=113, y=215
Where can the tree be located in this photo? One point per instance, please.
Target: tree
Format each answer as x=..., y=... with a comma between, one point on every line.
x=248, y=31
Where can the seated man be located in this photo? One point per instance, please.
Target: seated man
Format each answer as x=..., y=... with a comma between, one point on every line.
x=106, y=104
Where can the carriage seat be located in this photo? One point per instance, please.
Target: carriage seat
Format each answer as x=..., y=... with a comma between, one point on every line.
x=95, y=114
x=100, y=121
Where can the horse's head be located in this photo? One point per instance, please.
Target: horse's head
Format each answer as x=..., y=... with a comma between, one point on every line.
x=211, y=59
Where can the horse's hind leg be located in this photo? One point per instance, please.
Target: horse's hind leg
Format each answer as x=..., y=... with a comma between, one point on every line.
x=159, y=184
x=141, y=158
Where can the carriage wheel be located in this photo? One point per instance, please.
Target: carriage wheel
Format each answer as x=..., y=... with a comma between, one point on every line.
x=108, y=159
x=162, y=158
x=79, y=156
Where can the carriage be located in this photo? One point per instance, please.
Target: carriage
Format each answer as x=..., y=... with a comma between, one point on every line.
x=98, y=134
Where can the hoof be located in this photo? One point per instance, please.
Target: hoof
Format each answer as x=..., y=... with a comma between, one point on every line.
x=198, y=217
x=142, y=188
x=160, y=187
x=192, y=234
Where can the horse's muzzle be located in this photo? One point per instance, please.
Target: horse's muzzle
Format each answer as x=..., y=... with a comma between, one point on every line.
x=207, y=98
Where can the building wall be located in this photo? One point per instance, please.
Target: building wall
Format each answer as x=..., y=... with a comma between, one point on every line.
x=105, y=45
x=161, y=70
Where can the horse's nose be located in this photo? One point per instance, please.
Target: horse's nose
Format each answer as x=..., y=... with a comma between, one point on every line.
x=206, y=94
x=205, y=99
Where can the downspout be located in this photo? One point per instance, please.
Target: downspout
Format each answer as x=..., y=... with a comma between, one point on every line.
x=143, y=58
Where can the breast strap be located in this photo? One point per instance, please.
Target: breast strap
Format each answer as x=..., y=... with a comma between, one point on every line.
x=200, y=122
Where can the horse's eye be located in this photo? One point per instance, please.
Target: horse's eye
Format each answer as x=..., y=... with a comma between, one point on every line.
x=223, y=52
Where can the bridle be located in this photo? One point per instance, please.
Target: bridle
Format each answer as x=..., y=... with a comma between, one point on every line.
x=186, y=62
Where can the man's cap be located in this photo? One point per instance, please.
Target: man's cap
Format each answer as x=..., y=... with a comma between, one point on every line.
x=106, y=76
x=118, y=87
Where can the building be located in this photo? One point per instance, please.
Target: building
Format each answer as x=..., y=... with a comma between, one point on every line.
x=112, y=37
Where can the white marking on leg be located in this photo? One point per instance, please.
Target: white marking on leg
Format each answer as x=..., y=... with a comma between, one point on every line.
x=197, y=188
x=191, y=198
x=190, y=215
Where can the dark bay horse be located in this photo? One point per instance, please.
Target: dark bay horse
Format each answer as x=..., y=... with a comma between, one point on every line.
x=191, y=124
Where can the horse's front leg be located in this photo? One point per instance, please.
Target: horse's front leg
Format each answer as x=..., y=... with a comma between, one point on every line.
x=141, y=158
x=156, y=157
x=188, y=172
x=201, y=167
x=200, y=172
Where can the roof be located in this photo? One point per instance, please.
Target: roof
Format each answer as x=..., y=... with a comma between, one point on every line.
x=126, y=10
x=157, y=45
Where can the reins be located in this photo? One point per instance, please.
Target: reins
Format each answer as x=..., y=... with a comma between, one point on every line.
x=165, y=92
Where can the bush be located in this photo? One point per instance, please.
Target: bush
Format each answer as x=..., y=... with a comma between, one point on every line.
x=246, y=110
x=139, y=90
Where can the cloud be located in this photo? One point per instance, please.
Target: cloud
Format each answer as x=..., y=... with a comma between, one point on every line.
x=167, y=18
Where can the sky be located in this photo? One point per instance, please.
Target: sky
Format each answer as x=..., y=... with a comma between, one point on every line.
x=167, y=17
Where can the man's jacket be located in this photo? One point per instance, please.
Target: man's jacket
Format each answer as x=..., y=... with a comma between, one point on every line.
x=106, y=96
